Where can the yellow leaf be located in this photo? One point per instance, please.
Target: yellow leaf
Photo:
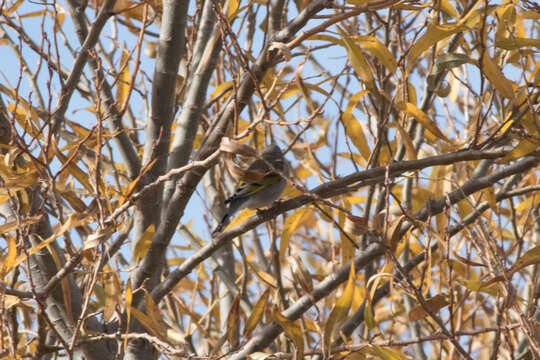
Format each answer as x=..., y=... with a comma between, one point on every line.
x=256, y=313
x=457, y=266
x=129, y=299
x=506, y=13
x=72, y=221
x=129, y=9
x=394, y=232
x=382, y=353
x=530, y=15
x=477, y=285
x=73, y=199
x=510, y=43
x=267, y=278
x=233, y=321
x=508, y=124
x=233, y=7
x=468, y=262
x=12, y=225
x=464, y=208
x=113, y=291
x=293, y=330
x=155, y=315
x=448, y=9
x=148, y=323
x=406, y=139
x=26, y=116
x=143, y=244
x=419, y=197
x=221, y=90
x=496, y=77
x=128, y=296
x=11, y=256
x=328, y=38
x=81, y=176
x=524, y=147
x=302, y=172
x=532, y=256
x=297, y=89
x=356, y=199
x=353, y=128
x=528, y=123
x=290, y=192
x=422, y=117
x=122, y=86
x=369, y=319
x=358, y=2
x=411, y=7
x=435, y=304
x=15, y=180
x=13, y=8
x=340, y=311
x=434, y=34
x=292, y=223
x=358, y=62
x=305, y=94
x=135, y=182
x=349, y=233
x=377, y=49
x=527, y=204
x=358, y=298
x=242, y=217
x=490, y=197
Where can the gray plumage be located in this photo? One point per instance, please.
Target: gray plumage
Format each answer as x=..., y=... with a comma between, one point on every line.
x=256, y=195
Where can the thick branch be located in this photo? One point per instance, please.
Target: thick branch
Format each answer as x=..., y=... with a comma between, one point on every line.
x=341, y=186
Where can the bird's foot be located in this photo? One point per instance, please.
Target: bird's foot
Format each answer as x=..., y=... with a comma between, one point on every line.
x=261, y=212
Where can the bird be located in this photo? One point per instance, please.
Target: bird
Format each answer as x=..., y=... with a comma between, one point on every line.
x=258, y=194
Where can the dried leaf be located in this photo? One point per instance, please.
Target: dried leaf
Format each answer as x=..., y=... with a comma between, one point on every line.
x=433, y=34
x=523, y=148
x=422, y=118
x=267, y=278
x=241, y=218
x=377, y=49
x=11, y=256
x=358, y=62
x=233, y=321
x=410, y=150
x=530, y=257
x=496, y=77
x=232, y=9
x=435, y=304
x=236, y=147
x=369, y=319
x=293, y=222
x=340, y=311
x=352, y=126
x=511, y=43
x=256, y=313
x=143, y=244
x=394, y=232
x=124, y=79
x=71, y=166
x=113, y=291
x=294, y=331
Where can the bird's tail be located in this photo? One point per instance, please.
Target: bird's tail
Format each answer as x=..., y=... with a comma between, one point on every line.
x=234, y=205
x=225, y=220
